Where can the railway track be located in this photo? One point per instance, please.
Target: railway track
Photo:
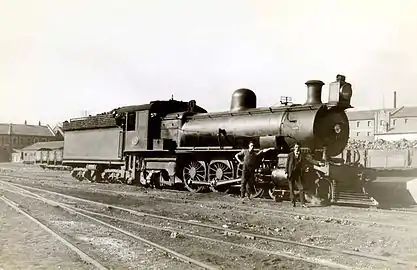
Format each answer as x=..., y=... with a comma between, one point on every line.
x=281, y=213
x=86, y=258
x=92, y=215
x=346, y=253
x=83, y=255
x=394, y=210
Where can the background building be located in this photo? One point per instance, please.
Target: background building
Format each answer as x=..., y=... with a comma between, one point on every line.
x=40, y=152
x=18, y=136
x=387, y=124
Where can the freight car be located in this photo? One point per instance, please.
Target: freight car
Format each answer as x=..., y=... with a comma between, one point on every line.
x=168, y=142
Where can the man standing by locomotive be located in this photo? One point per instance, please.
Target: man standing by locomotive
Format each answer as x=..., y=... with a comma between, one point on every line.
x=250, y=162
x=296, y=165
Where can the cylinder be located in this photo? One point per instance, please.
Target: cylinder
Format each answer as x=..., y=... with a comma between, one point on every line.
x=243, y=99
x=278, y=176
x=395, y=99
x=314, y=89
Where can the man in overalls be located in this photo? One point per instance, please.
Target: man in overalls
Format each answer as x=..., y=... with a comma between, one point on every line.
x=250, y=162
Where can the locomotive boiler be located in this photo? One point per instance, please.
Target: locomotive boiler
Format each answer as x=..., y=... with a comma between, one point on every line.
x=170, y=142
x=313, y=124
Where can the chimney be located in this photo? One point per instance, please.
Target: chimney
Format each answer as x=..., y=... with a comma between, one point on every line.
x=39, y=123
x=314, y=89
x=26, y=122
x=395, y=99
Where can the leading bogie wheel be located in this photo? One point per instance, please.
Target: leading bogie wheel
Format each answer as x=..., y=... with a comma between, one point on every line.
x=322, y=191
x=258, y=192
x=271, y=193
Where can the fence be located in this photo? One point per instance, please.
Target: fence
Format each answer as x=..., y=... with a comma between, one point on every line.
x=383, y=158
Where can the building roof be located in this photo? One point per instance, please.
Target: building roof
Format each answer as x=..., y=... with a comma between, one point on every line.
x=29, y=130
x=405, y=112
x=361, y=115
x=395, y=113
x=44, y=145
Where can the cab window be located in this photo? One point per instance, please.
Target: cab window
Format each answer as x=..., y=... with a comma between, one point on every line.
x=131, y=121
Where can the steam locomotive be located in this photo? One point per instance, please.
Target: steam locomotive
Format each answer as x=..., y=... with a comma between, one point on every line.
x=170, y=142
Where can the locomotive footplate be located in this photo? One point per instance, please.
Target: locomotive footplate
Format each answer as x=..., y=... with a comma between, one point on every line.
x=351, y=185
x=355, y=198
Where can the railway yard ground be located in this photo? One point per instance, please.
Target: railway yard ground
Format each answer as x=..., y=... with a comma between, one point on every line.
x=51, y=221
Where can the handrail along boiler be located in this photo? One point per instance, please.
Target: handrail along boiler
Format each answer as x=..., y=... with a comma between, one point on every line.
x=169, y=142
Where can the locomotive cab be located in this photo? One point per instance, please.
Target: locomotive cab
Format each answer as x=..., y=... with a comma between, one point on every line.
x=142, y=123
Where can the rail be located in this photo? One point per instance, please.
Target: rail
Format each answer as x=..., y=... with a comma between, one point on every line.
x=83, y=255
x=183, y=232
x=237, y=232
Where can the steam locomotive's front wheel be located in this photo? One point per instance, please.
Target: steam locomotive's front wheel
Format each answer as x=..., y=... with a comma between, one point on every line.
x=321, y=191
x=194, y=171
x=258, y=191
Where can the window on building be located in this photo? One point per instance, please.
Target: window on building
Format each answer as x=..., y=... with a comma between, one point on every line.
x=368, y=134
x=357, y=134
x=369, y=123
x=357, y=124
x=405, y=121
x=393, y=122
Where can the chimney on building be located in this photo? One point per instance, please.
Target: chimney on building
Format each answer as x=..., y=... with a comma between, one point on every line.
x=26, y=122
x=39, y=123
x=395, y=99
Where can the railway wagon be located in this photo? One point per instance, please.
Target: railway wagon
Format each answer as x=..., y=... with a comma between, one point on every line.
x=167, y=142
x=44, y=156
x=55, y=156
x=38, y=157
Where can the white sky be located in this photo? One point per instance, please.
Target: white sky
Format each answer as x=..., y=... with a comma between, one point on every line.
x=61, y=57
